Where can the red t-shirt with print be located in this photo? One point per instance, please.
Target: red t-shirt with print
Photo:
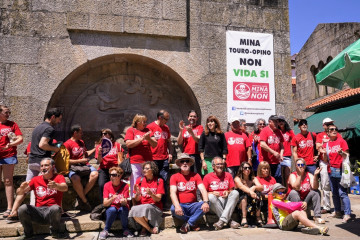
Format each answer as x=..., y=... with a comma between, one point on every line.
x=111, y=159
x=186, y=186
x=76, y=149
x=268, y=184
x=110, y=190
x=156, y=187
x=142, y=152
x=288, y=136
x=237, y=143
x=273, y=140
x=332, y=151
x=219, y=184
x=305, y=147
x=5, y=129
x=45, y=196
x=189, y=144
x=162, y=136
x=305, y=186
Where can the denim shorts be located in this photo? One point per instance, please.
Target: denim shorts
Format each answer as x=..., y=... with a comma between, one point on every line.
x=9, y=160
x=92, y=169
x=286, y=162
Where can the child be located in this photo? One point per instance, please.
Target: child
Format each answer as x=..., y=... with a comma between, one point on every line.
x=288, y=214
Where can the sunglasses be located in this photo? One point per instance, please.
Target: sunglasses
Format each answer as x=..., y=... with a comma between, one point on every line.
x=332, y=129
x=247, y=168
x=104, y=133
x=300, y=164
x=184, y=161
x=280, y=193
x=115, y=175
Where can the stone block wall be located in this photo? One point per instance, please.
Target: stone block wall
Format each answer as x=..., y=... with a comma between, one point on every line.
x=49, y=46
x=325, y=43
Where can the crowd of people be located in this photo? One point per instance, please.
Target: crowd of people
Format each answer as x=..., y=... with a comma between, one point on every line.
x=219, y=172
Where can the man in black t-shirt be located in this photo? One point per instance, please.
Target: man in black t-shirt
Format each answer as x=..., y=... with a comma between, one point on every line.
x=41, y=141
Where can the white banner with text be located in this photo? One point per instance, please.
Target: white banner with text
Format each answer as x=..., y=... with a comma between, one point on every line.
x=250, y=75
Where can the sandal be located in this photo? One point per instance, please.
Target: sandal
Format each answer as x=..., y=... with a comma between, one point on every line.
x=259, y=222
x=6, y=213
x=244, y=224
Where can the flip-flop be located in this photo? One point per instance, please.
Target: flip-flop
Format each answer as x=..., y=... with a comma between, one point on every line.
x=244, y=224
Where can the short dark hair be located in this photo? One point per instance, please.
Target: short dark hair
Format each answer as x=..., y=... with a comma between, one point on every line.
x=161, y=113
x=75, y=128
x=53, y=111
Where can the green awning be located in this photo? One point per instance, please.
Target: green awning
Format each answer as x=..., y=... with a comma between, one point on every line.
x=347, y=120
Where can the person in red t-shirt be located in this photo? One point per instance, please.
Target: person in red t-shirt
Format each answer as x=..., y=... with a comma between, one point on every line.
x=10, y=138
x=322, y=138
x=183, y=186
x=238, y=145
x=189, y=137
x=116, y=193
x=254, y=138
x=265, y=179
x=112, y=159
x=80, y=157
x=288, y=135
x=334, y=152
x=163, y=152
x=220, y=187
x=48, y=188
x=303, y=186
x=272, y=149
x=139, y=140
x=148, y=192
x=303, y=146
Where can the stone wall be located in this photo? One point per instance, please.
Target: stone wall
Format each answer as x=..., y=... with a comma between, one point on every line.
x=66, y=53
x=324, y=44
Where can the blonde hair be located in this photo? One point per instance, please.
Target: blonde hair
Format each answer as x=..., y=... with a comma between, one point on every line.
x=263, y=164
x=138, y=118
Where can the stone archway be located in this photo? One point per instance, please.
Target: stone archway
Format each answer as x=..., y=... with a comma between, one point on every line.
x=107, y=92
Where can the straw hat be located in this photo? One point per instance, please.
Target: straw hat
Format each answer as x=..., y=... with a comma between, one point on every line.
x=184, y=156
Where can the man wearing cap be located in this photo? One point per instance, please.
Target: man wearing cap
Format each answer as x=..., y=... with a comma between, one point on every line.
x=220, y=187
x=303, y=146
x=238, y=147
x=272, y=149
x=322, y=138
x=183, y=186
x=288, y=214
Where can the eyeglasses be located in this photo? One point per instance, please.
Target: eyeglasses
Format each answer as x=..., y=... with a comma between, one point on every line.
x=247, y=168
x=280, y=193
x=300, y=164
x=261, y=124
x=115, y=175
x=332, y=129
x=219, y=164
x=184, y=161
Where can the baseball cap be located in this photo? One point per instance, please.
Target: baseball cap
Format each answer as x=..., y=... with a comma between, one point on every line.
x=327, y=120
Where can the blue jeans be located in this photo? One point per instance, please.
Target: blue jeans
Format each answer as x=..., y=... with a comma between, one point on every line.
x=311, y=168
x=338, y=192
x=276, y=172
x=112, y=213
x=192, y=212
x=163, y=166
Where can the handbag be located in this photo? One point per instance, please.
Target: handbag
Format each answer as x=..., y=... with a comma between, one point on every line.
x=126, y=167
x=81, y=170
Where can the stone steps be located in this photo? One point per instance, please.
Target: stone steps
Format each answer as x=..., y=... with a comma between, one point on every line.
x=83, y=223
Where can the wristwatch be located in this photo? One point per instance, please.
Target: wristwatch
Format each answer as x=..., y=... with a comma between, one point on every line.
x=206, y=202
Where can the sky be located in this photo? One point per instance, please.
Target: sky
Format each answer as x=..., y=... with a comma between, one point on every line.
x=305, y=15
